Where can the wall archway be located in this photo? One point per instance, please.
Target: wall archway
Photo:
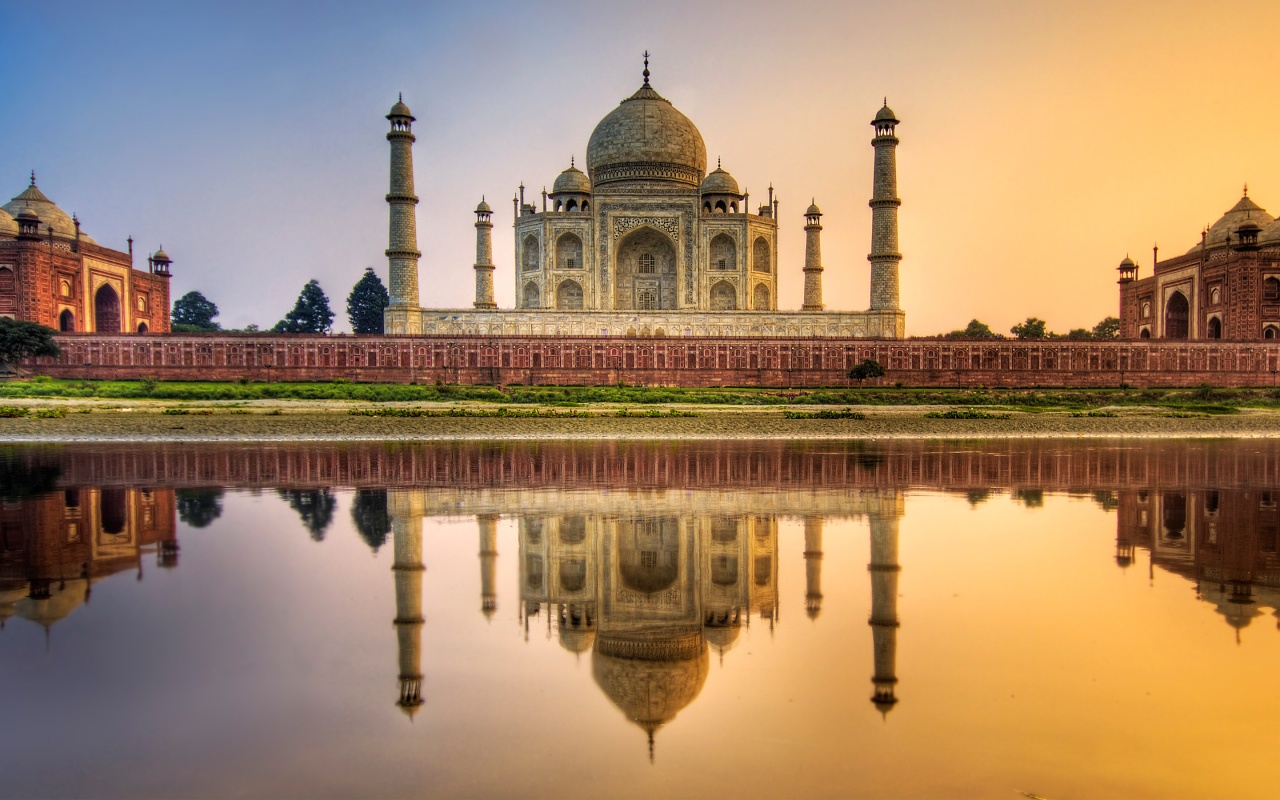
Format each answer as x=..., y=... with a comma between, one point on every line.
x=529, y=259
x=760, y=261
x=531, y=297
x=142, y=327
x=645, y=271
x=569, y=296
x=1215, y=329
x=724, y=297
x=724, y=253
x=66, y=321
x=1177, y=316
x=649, y=554
x=568, y=251
x=106, y=310
x=760, y=297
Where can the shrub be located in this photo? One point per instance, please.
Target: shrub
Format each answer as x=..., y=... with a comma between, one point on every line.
x=964, y=413
x=13, y=412
x=49, y=413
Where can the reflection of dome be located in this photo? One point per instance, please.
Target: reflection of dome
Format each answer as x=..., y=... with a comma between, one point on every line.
x=646, y=138
x=651, y=692
x=1245, y=210
x=720, y=182
x=576, y=640
x=10, y=596
x=572, y=181
x=722, y=637
x=64, y=597
x=50, y=215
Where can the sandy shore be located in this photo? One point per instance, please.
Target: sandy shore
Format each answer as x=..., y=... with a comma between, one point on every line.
x=286, y=421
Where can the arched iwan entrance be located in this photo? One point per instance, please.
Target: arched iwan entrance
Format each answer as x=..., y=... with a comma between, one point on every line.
x=66, y=321
x=646, y=271
x=1177, y=314
x=106, y=310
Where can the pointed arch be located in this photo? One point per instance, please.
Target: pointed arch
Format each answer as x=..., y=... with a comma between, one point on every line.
x=760, y=260
x=532, y=296
x=724, y=297
x=67, y=321
x=106, y=310
x=1177, y=316
x=569, y=296
x=569, y=251
x=645, y=271
x=760, y=298
x=530, y=258
x=724, y=253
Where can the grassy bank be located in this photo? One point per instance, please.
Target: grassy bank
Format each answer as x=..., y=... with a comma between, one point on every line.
x=1203, y=399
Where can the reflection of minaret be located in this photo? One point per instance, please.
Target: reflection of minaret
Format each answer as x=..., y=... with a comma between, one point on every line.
x=488, y=524
x=884, y=608
x=813, y=566
x=406, y=530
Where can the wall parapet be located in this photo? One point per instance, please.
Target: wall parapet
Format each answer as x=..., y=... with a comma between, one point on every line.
x=673, y=361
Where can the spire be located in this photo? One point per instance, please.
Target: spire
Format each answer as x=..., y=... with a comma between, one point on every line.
x=646, y=69
x=571, y=164
x=33, y=177
x=717, y=162
x=400, y=96
x=1246, y=188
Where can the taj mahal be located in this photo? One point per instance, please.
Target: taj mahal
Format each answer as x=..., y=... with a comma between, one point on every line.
x=645, y=242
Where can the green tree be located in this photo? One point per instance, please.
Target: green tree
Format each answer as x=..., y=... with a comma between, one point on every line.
x=1079, y=333
x=869, y=368
x=198, y=507
x=1109, y=328
x=310, y=314
x=369, y=514
x=193, y=312
x=974, y=330
x=314, y=506
x=1033, y=328
x=365, y=303
x=20, y=339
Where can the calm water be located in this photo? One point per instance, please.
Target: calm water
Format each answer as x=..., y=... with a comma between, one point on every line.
x=721, y=619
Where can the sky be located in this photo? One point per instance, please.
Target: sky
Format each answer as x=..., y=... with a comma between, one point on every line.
x=1041, y=142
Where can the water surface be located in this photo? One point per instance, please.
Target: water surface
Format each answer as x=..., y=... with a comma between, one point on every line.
x=637, y=619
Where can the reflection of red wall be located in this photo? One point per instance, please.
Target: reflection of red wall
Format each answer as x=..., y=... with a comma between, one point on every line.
x=62, y=535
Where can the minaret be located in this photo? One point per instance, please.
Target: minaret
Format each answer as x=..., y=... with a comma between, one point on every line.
x=884, y=608
x=813, y=566
x=488, y=524
x=884, y=256
x=813, y=263
x=402, y=245
x=484, y=256
x=406, y=532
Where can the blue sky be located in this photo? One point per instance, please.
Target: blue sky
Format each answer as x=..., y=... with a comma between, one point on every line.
x=1040, y=141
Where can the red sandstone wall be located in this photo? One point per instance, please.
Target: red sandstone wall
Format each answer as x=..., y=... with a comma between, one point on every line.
x=698, y=362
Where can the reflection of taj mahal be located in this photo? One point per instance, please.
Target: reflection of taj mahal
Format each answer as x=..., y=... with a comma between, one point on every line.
x=645, y=242
x=648, y=595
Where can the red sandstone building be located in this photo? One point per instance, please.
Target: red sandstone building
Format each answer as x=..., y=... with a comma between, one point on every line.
x=52, y=273
x=1226, y=287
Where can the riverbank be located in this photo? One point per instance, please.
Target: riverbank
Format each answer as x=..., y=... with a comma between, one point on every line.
x=94, y=420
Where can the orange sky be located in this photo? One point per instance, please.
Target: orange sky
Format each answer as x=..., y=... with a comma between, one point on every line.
x=1041, y=142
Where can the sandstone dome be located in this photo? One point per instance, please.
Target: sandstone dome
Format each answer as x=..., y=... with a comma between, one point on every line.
x=572, y=181
x=8, y=225
x=1221, y=231
x=50, y=215
x=646, y=139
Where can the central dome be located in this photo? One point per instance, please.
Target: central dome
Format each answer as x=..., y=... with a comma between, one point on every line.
x=646, y=139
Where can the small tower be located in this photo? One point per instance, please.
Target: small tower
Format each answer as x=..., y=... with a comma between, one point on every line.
x=884, y=256
x=1128, y=270
x=884, y=609
x=813, y=566
x=402, y=244
x=484, y=256
x=159, y=262
x=406, y=532
x=488, y=525
x=812, y=259
x=28, y=225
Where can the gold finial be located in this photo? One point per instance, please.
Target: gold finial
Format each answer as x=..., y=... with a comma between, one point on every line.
x=33, y=177
x=571, y=162
x=646, y=67
x=717, y=162
x=1246, y=189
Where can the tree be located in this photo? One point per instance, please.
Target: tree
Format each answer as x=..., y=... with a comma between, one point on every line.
x=1079, y=333
x=974, y=330
x=365, y=303
x=314, y=506
x=20, y=339
x=198, y=507
x=869, y=368
x=369, y=514
x=1108, y=328
x=310, y=314
x=1033, y=328
x=193, y=312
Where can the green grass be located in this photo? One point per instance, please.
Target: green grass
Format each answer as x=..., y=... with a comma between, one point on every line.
x=964, y=413
x=826, y=413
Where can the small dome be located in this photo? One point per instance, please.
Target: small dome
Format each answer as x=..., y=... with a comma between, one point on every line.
x=483, y=208
x=51, y=217
x=719, y=182
x=400, y=110
x=576, y=640
x=8, y=225
x=813, y=210
x=572, y=181
x=161, y=255
x=1245, y=210
x=885, y=114
x=1127, y=262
